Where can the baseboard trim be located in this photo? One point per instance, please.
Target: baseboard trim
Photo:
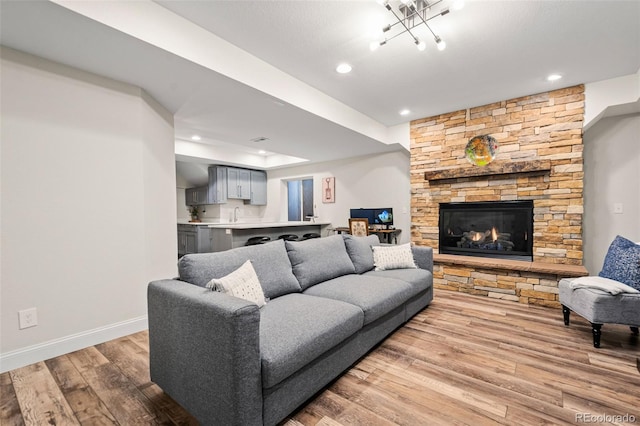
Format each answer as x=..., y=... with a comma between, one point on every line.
x=53, y=348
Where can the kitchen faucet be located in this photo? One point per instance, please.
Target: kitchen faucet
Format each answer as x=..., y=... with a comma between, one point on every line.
x=235, y=214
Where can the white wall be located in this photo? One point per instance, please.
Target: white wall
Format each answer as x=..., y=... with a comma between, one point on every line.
x=610, y=97
x=88, y=207
x=368, y=182
x=612, y=175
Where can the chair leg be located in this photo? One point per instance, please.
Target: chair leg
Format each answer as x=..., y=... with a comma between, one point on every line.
x=634, y=330
x=566, y=312
x=595, y=328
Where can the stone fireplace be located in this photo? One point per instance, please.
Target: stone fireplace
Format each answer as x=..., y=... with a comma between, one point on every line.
x=495, y=229
x=538, y=161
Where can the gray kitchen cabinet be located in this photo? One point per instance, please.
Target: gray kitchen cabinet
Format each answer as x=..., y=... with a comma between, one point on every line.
x=193, y=239
x=258, y=188
x=217, y=185
x=196, y=196
x=238, y=183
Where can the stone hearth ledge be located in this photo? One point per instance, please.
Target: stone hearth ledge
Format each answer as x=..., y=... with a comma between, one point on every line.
x=511, y=265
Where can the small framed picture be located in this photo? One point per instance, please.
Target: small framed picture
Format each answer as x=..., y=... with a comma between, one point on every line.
x=329, y=190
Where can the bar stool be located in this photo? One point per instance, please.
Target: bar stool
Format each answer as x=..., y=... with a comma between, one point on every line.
x=257, y=240
x=288, y=237
x=310, y=235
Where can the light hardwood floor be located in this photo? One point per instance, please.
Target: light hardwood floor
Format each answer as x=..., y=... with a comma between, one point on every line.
x=463, y=360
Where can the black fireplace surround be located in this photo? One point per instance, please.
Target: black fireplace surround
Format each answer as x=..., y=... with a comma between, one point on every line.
x=497, y=229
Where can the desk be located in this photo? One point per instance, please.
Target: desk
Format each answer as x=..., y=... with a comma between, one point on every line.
x=385, y=235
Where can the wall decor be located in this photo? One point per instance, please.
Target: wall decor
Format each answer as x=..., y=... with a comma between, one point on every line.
x=481, y=150
x=329, y=190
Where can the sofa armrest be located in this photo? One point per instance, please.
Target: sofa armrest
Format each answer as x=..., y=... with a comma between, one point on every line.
x=204, y=351
x=423, y=256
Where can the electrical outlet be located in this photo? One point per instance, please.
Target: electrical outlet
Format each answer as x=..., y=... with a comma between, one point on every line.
x=617, y=208
x=27, y=318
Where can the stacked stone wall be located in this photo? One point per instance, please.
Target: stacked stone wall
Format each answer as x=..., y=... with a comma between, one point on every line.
x=546, y=126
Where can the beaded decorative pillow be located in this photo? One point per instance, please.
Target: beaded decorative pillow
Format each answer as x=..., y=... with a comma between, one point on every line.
x=242, y=283
x=622, y=262
x=393, y=257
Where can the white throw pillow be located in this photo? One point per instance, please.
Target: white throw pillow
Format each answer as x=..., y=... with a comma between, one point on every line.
x=242, y=283
x=393, y=257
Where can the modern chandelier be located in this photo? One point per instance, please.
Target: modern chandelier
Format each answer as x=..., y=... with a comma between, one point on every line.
x=411, y=14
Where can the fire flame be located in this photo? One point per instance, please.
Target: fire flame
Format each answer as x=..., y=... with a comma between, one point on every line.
x=494, y=234
x=476, y=236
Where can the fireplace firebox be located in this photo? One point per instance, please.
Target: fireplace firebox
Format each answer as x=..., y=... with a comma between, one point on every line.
x=497, y=229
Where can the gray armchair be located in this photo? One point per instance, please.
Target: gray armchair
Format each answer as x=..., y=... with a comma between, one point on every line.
x=599, y=307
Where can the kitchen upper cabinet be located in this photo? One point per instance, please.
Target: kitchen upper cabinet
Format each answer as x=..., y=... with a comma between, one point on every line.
x=230, y=183
x=258, y=188
x=217, y=185
x=238, y=183
x=197, y=196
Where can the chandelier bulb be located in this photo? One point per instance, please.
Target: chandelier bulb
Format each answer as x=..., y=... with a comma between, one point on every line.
x=420, y=44
x=440, y=43
x=373, y=46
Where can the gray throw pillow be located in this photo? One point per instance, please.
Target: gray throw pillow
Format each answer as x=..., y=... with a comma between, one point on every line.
x=359, y=250
x=270, y=262
x=319, y=259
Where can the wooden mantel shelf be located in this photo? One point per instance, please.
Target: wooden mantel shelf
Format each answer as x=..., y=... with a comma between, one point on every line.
x=513, y=265
x=501, y=168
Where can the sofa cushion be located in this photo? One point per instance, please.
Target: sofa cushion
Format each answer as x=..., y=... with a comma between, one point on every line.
x=419, y=279
x=393, y=257
x=359, y=251
x=376, y=296
x=242, y=283
x=270, y=262
x=622, y=262
x=319, y=259
x=295, y=329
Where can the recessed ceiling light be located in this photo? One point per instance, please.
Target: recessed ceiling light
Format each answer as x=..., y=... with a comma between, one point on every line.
x=405, y=112
x=343, y=68
x=262, y=151
x=553, y=77
x=196, y=138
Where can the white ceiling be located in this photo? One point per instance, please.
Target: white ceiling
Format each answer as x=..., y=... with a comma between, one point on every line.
x=495, y=50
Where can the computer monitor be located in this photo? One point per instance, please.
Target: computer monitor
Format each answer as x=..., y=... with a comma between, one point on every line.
x=382, y=216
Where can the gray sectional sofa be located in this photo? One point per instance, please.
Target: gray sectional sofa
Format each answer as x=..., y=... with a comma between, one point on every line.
x=229, y=362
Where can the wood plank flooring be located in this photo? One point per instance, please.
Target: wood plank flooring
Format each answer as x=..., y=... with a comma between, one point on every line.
x=465, y=360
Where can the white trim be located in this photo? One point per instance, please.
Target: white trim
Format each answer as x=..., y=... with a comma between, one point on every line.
x=53, y=348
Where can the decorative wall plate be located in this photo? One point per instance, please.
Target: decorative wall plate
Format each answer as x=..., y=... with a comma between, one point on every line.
x=481, y=150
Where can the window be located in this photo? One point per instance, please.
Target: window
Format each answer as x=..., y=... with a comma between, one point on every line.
x=300, y=199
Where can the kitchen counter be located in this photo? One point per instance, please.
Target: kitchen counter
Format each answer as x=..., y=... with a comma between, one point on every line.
x=250, y=225
x=258, y=225
x=227, y=235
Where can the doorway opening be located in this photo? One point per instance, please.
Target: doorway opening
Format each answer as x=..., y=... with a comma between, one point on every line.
x=300, y=200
